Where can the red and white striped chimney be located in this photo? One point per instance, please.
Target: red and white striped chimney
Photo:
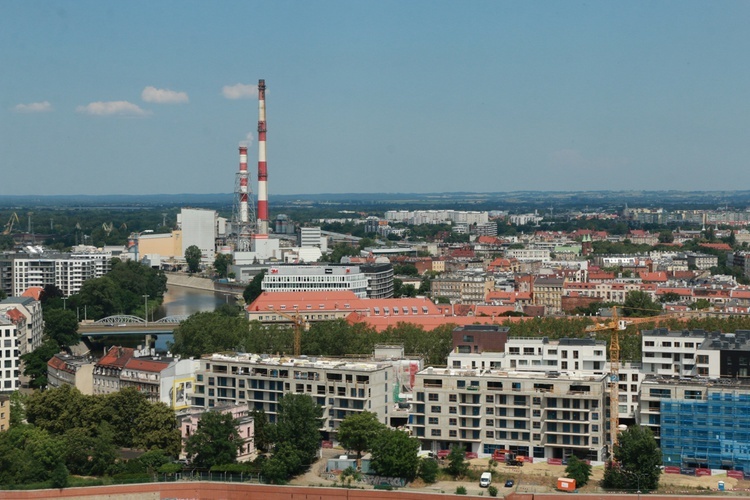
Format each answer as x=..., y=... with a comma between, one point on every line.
x=262, y=169
x=243, y=185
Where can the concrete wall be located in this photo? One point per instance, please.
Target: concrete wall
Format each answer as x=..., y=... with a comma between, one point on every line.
x=226, y=491
x=179, y=279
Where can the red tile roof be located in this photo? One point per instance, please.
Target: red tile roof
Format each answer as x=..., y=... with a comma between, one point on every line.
x=146, y=365
x=655, y=277
x=716, y=246
x=15, y=315
x=116, y=357
x=34, y=292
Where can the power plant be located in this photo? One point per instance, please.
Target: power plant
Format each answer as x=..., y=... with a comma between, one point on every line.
x=246, y=226
x=262, y=228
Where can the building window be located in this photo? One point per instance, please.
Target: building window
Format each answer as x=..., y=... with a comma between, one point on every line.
x=452, y=433
x=490, y=434
x=435, y=409
x=435, y=432
x=432, y=397
x=452, y=398
x=432, y=421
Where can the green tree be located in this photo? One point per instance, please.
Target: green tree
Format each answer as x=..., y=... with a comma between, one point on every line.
x=61, y=326
x=122, y=409
x=700, y=304
x=395, y=454
x=298, y=424
x=60, y=476
x=221, y=264
x=428, y=470
x=253, y=289
x=639, y=459
x=56, y=410
x=207, y=332
x=669, y=297
x=358, y=432
x=639, y=304
x=51, y=298
x=18, y=407
x=35, y=363
x=216, y=441
x=579, y=470
x=666, y=236
x=193, y=258
x=457, y=464
x=156, y=429
x=284, y=463
x=261, y=430
x=102, y=297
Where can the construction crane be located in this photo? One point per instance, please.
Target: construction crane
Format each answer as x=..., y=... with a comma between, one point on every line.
x=614, y=325
x=9, y=226
x=298, y=323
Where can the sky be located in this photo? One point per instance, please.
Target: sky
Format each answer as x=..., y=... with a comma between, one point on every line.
x=415, y=96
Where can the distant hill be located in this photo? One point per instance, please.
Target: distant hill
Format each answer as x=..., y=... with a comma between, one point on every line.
x=518, y=199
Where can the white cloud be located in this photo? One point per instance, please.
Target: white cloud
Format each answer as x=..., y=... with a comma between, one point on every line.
x=163, y=96
x=240, y=91
x=249, y=138
x=106, y=108
x=34, y=107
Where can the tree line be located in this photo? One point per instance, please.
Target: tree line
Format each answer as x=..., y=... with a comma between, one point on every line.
x=71, y=433
x=225, y=330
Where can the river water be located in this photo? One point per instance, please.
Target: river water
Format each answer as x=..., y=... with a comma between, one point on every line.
x=178, y=301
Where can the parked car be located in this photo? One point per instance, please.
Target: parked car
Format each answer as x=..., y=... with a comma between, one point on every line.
x=485, y=479
x=509, y=483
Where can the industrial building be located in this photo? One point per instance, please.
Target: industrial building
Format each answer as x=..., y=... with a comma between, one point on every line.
x=198, y=228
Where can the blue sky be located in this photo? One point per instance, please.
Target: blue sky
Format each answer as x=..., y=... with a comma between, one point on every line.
x=149, y=97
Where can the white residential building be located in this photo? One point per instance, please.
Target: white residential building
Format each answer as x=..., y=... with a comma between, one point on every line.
x=26, y=313
x=315, y=279
x=10, y=371
x=535, y=414
x=67, y=272
x=340, y=386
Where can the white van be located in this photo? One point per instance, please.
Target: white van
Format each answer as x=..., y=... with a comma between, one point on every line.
x=485, y=479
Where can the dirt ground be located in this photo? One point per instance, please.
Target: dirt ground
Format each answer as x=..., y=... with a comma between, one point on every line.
x=531, y=478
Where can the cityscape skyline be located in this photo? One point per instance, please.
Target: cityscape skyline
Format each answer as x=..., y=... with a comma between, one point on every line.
x=104, y=98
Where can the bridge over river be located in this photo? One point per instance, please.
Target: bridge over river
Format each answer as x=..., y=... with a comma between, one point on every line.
x=129, y=325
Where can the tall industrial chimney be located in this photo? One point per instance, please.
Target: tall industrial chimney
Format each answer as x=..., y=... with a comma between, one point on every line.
x=243, y=186
x=262, y=169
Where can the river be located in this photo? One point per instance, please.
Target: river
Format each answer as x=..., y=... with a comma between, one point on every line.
x=178, y=300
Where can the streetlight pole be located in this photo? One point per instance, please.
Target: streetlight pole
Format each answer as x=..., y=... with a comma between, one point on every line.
x=65, y=306
x=145, y=308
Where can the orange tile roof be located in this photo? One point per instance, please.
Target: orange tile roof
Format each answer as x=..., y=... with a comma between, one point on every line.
x=15, y=315
x=716, y=246
x=290, y=302
x=116, y=357
x=58, y=364
x=34, y=292
x=658, y=276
